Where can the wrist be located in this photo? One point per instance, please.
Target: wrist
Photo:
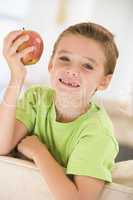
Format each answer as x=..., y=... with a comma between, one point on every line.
x=16, y=82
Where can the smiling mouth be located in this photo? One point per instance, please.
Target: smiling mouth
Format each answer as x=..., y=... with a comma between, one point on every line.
x=73, y=85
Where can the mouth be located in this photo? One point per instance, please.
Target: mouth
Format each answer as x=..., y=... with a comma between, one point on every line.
x=69, y=84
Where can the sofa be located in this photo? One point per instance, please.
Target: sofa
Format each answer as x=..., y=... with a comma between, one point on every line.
x=20, y=180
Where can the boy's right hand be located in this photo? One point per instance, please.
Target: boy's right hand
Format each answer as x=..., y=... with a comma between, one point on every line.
x=13, y=58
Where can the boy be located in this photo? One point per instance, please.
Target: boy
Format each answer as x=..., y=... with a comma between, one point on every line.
x=66, y=129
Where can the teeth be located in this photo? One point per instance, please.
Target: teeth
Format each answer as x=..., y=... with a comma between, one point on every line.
x=71, y=84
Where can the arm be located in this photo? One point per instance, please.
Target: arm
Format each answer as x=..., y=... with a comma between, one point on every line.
x=62, y=188
x=7, y=117
x=8, y=105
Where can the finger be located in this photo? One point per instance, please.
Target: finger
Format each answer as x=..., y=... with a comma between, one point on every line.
x=11, y=37
x=24, y=52
x=17, y=43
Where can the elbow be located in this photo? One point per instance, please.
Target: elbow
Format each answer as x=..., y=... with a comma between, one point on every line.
x=5, y=151
x=5, y=148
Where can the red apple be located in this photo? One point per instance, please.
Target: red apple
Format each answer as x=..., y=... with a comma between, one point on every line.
x=34, y=40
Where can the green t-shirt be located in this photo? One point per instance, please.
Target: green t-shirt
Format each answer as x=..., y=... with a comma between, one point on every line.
x=86, y=146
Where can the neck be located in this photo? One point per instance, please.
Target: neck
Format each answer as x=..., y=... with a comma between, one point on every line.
x=68, y=108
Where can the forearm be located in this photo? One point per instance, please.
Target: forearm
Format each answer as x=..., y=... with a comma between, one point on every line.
x=59, y=184
x=7, y=114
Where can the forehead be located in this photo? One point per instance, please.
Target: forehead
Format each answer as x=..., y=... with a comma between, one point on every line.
x=83, y=46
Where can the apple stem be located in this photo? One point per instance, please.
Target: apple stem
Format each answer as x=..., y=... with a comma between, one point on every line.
x=23, y=28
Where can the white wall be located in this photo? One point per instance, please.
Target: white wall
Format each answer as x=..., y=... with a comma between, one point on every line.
x=118, y=17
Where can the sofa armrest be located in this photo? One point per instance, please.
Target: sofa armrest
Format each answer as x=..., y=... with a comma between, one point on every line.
x=123, y=173
x=20, y=179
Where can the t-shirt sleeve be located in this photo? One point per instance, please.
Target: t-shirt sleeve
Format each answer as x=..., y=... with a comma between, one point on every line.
x=93, y=156
x=26, y=109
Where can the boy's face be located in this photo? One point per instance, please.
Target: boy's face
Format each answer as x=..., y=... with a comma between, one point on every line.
x=77, y=67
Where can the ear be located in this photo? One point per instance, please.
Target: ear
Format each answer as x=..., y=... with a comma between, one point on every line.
x=104, y=82
x=50, y=65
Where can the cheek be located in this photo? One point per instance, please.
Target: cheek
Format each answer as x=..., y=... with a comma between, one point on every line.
x=56, y=67
x=54, y=76
x=89, y=81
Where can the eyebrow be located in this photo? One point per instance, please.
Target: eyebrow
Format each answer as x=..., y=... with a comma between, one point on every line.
x=69, y=52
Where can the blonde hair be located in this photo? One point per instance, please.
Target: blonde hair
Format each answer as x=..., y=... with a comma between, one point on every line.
x=99, y=34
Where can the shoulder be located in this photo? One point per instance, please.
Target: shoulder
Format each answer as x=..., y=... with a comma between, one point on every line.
x=39, y=89
x=100, y=117
x=106, y=125
x=39, y=94
x=99, y=126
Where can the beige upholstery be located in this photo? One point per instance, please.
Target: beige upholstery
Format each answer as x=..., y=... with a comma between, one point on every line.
x=123, y=173
x=21, y=180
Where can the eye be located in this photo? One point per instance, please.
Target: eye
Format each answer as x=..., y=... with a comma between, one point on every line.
x=88, y=66
x=64, y=58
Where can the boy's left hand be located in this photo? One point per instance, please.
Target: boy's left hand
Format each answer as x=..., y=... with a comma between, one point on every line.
x=30, y=146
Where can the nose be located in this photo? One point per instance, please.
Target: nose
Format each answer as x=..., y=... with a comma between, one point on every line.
x=75, y=74
x=73, y=71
